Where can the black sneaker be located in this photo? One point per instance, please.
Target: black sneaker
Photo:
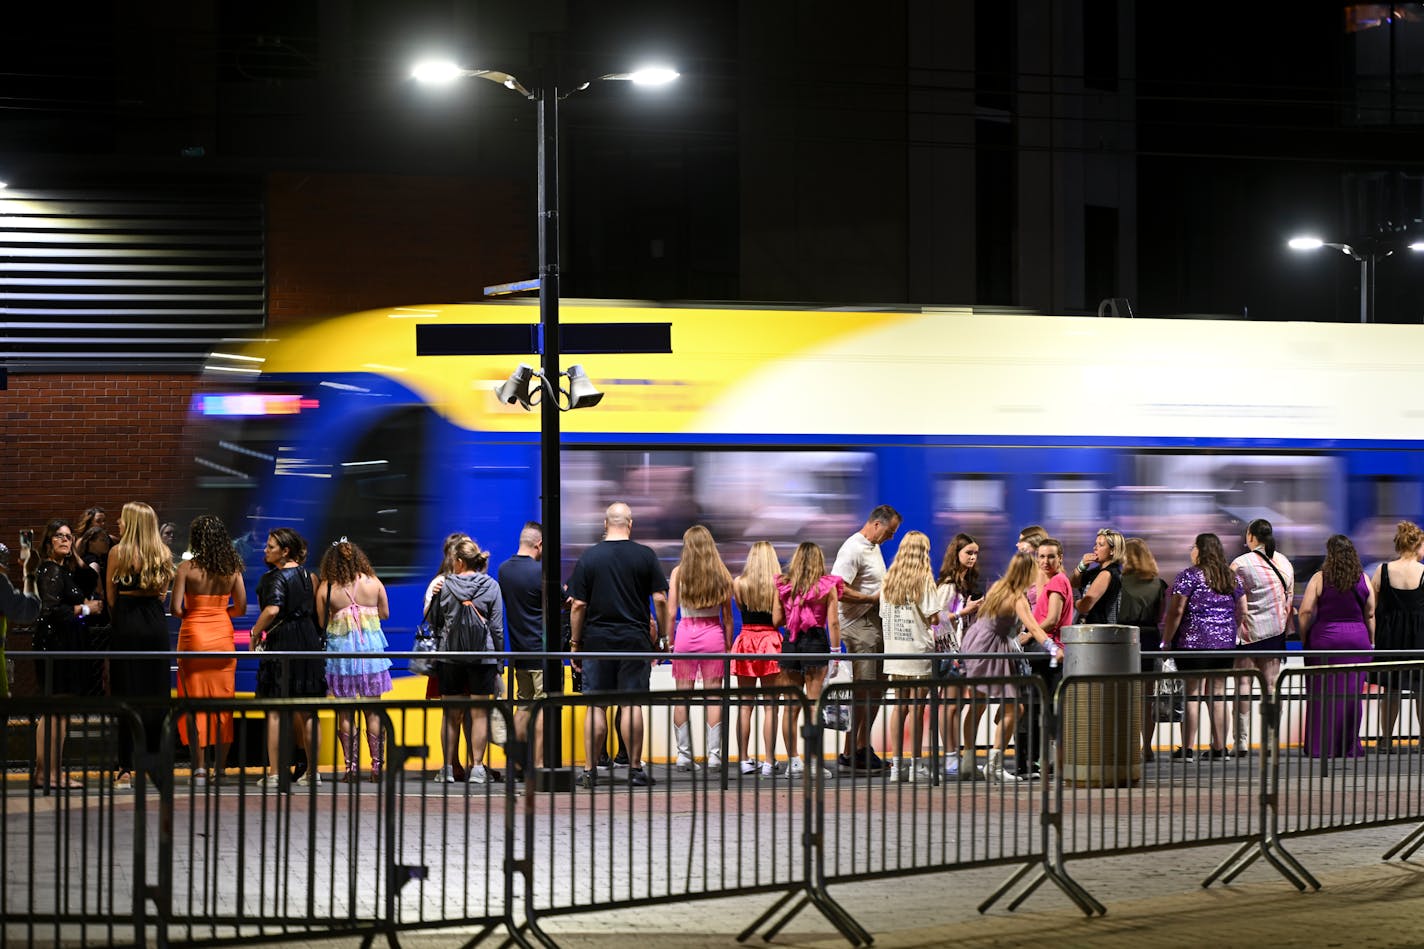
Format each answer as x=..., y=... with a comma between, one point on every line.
x=621, y=759
x=845, y=762
x=588, y=780
x=638, y=778
x=868, y=761
x=1217, y=754
x=604, y=761
x=1184, y=754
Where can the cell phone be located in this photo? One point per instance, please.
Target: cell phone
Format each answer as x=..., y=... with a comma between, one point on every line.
x=27, y=538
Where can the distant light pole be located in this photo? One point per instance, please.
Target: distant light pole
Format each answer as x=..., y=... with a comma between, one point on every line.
x=547, y=100
x=1367, y=258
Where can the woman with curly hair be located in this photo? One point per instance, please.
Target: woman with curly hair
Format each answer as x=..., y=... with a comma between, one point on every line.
x=701, y=588
x=139, y=575
x=350, y=604
x=208, y=594
x=1399, y=592
x=1338, y=612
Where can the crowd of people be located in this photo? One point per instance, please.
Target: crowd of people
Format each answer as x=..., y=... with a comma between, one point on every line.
x=948, y=628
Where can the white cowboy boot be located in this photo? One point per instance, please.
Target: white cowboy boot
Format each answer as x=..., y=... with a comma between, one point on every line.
x=682, y=735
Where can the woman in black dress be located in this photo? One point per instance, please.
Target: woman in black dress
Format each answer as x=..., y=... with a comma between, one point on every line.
x=287, y=623
x=140, y=573
x=1399, y=624
x=66, y=588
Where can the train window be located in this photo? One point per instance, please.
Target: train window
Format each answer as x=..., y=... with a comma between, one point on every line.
x=741, y=496
x=973, y=504
x=1174, y=497
x=379, y=497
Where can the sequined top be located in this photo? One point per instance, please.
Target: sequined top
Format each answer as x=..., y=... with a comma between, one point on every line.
x=1210, y=618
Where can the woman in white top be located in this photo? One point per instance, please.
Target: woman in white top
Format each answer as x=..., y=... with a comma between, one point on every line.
x=1269, y=580
x=910, y=605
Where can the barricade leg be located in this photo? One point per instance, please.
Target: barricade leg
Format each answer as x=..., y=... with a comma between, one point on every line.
x=1406, y=847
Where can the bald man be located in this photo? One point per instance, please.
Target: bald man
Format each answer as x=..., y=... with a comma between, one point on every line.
x=610, y=591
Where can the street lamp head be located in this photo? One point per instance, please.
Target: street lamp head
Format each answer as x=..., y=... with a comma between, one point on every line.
x=1415, y=246
x=436, y=71
x=1305, y=243
x=652, y=76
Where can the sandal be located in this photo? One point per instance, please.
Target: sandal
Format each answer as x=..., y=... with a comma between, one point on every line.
x=123, y=781
x=200, y=778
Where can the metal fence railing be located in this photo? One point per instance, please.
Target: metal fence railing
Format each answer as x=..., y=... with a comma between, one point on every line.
x=239, y=842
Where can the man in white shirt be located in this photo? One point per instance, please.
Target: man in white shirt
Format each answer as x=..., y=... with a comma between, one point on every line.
x=861, y=565
x=1270, y=592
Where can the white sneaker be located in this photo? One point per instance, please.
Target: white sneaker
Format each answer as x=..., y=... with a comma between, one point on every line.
x=446, y=775
x=750, y=766
x=796, y=768
x=898, y=774
x=771, y=769
x=271, y=781
x=922, y=773
x=478, y=774
x=309, y=779
x=951, y=766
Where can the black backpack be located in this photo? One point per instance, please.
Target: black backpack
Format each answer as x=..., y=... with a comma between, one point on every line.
x=468, y=631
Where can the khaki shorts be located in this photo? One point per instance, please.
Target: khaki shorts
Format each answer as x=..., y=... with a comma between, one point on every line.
x=528, y=686
x=864, y=635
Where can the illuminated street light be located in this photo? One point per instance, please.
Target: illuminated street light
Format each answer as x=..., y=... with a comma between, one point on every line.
x=1367, y=261
x=581, y=392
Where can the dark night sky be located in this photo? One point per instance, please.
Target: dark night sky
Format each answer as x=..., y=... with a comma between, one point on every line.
x=1244, y=131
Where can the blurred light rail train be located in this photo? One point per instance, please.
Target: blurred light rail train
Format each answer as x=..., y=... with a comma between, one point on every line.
x=790, y=424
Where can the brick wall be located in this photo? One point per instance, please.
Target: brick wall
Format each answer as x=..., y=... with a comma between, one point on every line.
x=74, y=441
x=335, y=244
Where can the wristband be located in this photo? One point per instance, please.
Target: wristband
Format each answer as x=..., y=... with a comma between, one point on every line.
x=83, y=609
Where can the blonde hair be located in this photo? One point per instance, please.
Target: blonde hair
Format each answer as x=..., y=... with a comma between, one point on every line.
x=141, y=549
x=1033, y=535
x=1002, y=598
x=756, y=587
x=1115, y=544
x=807, y=567
x=910, y=576
x=703, y=580
x=469, y=553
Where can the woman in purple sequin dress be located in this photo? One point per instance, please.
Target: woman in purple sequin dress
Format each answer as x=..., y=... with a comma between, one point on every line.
x=1338, y=612
x=1207, y=604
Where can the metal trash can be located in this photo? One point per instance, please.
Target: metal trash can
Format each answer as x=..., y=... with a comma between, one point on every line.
x=1100, y=722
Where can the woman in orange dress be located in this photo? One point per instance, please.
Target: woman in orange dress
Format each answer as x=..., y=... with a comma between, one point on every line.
x=207, y=594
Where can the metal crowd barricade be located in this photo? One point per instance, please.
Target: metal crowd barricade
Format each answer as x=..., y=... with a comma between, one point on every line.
x=1113, y=795
x=612, y=843
x=905, y=815
x=243, y=859
x=73, y=850
x=1340, y=766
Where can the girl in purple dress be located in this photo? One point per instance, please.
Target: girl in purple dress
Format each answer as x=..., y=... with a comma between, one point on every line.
x=1207, y=604
x=1338, y=612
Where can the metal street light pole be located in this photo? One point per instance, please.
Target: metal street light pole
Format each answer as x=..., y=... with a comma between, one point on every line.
x=546, y=100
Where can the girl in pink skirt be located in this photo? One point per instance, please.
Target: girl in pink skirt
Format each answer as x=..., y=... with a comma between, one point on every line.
x=701, y=588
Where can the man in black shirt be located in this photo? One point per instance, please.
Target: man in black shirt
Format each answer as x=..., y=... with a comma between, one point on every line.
x=610, y=588
x=521, y=583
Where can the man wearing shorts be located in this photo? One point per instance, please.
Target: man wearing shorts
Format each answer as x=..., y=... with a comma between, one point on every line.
x=521, y=583
x=861, y=565
x=610, y=589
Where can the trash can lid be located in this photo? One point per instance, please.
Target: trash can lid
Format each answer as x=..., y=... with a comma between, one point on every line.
x=1099, y=634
